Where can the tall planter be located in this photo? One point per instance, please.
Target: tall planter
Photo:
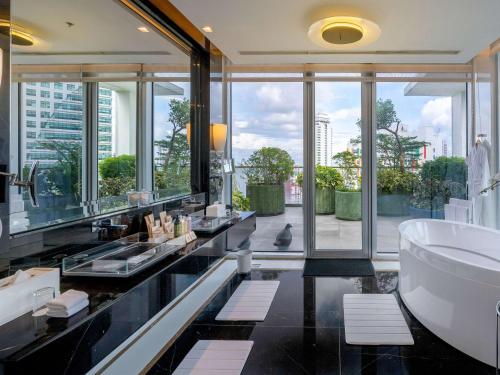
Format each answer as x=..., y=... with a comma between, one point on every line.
x=266, y=200
x=348, y=205
x=325, y=201
x=393, y=205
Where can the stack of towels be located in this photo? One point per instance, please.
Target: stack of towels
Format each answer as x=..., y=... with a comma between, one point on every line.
x=458, y=210
x=67, y=304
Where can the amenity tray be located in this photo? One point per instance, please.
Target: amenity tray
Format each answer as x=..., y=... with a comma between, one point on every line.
x=210, y=224
x=122, y=258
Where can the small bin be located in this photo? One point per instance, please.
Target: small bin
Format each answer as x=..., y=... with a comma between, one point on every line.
x=244, y=258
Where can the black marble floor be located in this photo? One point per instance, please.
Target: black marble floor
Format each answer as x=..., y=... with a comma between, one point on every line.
x=304, y=333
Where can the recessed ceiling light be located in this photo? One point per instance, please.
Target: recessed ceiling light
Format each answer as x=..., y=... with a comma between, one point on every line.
x=207, y=29
x=343, y=31
x=143, y=29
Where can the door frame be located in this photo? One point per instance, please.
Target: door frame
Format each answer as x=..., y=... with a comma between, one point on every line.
x=368, y=173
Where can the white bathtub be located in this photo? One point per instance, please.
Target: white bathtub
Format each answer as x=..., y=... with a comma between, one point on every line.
x=450, y=281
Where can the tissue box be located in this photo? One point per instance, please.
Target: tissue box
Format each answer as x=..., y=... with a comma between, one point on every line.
x=216, y=210
x=17, y=299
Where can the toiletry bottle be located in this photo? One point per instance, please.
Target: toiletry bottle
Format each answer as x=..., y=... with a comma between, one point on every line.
x=189, y=224
x=184, y=224
x=177, y=226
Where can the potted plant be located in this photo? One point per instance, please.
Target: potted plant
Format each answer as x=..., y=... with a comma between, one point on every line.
x=266, y=171
x=348, y=197
x=327, y=179
x=394, y=189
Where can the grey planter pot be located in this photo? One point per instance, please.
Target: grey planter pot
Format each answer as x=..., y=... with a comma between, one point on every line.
x=348, y=205
x=393, y=204
x=266, y=200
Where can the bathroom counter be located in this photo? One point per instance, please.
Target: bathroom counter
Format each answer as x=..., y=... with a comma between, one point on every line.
x=118, y=307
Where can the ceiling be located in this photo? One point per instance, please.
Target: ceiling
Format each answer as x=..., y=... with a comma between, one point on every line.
x=429, y=31
x=103, y=31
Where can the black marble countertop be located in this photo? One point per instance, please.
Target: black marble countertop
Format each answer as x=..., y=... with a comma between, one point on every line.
x=118, y=307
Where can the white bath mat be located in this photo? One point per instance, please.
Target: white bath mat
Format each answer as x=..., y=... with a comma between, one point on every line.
x=215, y=357
x=374, y=319
x=251, y=301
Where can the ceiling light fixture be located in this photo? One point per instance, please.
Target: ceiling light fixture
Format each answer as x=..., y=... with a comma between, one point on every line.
x=20, y=37
x=343, y=31
x=143, y=29
x=207, y=29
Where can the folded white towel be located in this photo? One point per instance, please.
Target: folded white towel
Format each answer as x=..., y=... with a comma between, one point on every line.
x=461, y=214
x=68, y=300
x=450, y=212
x=58, y=313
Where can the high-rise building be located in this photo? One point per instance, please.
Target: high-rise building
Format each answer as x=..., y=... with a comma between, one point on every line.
x=323, y=139
x=52, y=113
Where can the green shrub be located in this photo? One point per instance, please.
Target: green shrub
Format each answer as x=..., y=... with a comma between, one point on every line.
x=391, y=180
x=117, y=166
x=117, y=175
x=240, y=202
x=268, y=166
x=326, y=178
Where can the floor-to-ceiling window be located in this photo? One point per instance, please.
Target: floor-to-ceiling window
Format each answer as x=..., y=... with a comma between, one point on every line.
x=420, y=148
x=267, y=147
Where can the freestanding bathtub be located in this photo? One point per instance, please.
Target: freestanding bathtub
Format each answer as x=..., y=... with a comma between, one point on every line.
x=450, y=281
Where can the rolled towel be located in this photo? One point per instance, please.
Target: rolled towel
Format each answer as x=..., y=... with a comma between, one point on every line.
x=62, y=313
x=68, y=300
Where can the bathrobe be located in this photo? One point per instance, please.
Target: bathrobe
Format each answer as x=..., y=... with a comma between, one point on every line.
x=478, y=177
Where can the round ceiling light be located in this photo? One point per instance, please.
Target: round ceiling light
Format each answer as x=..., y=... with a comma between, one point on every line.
x=342, y=31
x=19, y=36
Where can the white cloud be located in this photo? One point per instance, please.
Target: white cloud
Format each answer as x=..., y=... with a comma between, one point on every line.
x=241, y=124
x=252, y=142
x=290, y=127
x=437, y=112
x=346, y=114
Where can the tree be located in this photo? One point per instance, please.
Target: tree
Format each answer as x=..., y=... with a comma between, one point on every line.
x=174, y=151
x=268, y=166
x=393, y=148
x=65, y=176
x=346, y=162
